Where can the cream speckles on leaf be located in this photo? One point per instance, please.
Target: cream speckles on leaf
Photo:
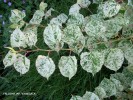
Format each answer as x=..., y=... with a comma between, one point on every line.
x=92, y=61
x=17, y=38
x=52, y=36
x=9, y=59
x=90, y=96
x=68, y=66
x=45, y=66
x=22, y=64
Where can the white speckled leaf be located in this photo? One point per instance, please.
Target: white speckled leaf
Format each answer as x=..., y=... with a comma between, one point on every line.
x=109, y=8
x=37, y=17
x=92, y=61
x=76, y=19
x=45, y=66
x=42, y=6
x=68, y=66
x=62, y=18
x=72, y=33
x=127, y=30
x=76, y=97
x=84, y=3
x=17, y=38
x=74, y=9
x=90, y=96
x=22, y=64
x=108, y=86
x=52, y=37
x=115, y=59
x=131, y=86
x=30, y=32
x=95, y=27
x=118, y=84
x=100, y=92
x=9, y=59
x=16, y=16
x=48, y=13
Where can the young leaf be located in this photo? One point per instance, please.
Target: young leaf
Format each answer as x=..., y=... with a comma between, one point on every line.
x=48, y=13
x=16, y=16
x=37, y=17
x=9, y=59
x=52, y=37
x=17, y=38
x=114, y=59
x=68, y=66
x=74, y=9
x=45, y=66
x=100, y=92
x=90, y=96
x=92, y=61
x=22, y=64
x=76, y=98
x=42, y=6
x=108, y=86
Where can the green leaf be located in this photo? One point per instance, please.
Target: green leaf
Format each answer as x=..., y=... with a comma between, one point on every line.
x=16, y=16
x=52, y=37
x=68, y=66
x=92, y=61
x=114, y=59
x=100, y=92
x=17, y=38
x=22, y=64
x=108, y=86
x=90, y=96
x=9, y=59
x=42, y=6
x=131, y=86
x=45, y=66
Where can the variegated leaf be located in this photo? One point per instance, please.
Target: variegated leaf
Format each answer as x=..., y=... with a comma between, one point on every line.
x=52, y=37
x=68, y=66
x=62, y=18
x=108, y=86
x=22, y=64
x=17, y=38
x=76, y=19
x=90, y=96
x=16, y=16
x=131, y=86
x=114, y=59
x=92, y=61
x=45, y=66
x=42, y=6
x=95, y=27
x=30, y=32
x=84, y=3
x=9, y=59
x=76, y=97
x=37, y=17
x=74, y=9
x=100, y=92
x=109, y=8
x=48, y=13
